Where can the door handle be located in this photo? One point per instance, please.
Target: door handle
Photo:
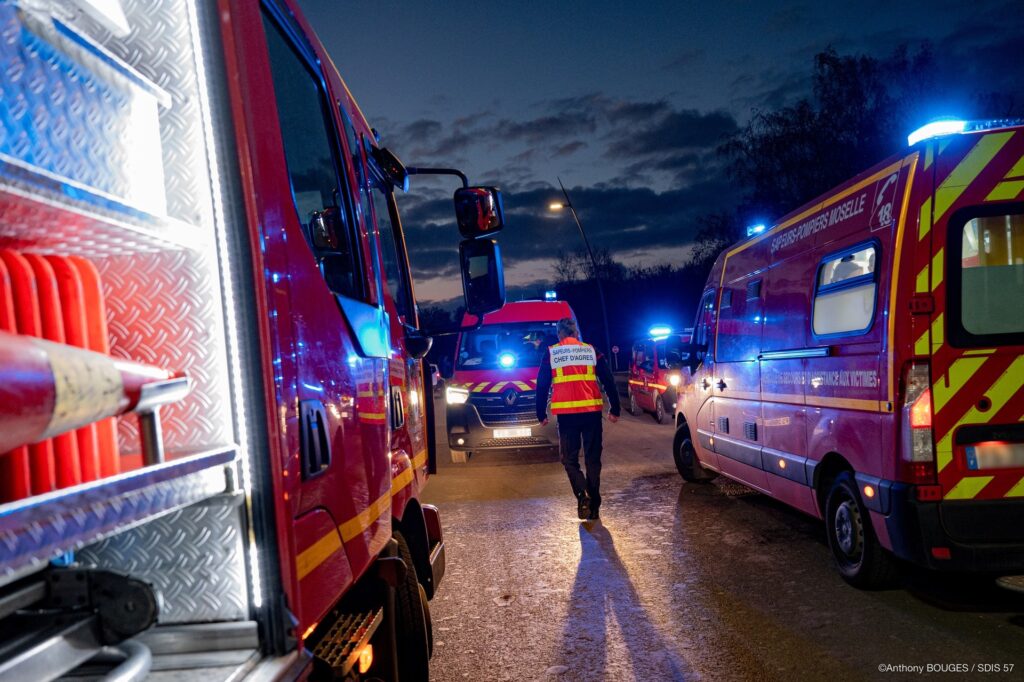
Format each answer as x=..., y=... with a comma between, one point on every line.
x=720, y=384
x=705, y=384
x=315, y=445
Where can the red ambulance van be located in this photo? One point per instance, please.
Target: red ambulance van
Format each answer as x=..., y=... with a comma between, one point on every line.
x=863, y=361
x=492, y=393
x=655, y=366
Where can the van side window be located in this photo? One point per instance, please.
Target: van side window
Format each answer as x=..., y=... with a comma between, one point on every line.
x=313, y=169
x=726, y=300
x=845, y=292
x=392, y=248
x=704, y=324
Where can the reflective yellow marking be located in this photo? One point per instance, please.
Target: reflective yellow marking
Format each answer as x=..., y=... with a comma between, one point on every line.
x=371, y=415
x=522, y=385
x=1017, y=490
x=577, y=403
x=959, y=372
x=921, y=285
x=587, y=376
x=848, y=403
x=929, y=156
x=943, y=144
x=937, y=268
x=922, y=345
x=1006, y=190
x=356, y=525
x=968, y=170
x=938, y=336
x=968, y=487
x=498, y=386
x=480, y=387
x=1017, y=170
x=925, y=224
x=317, y=553
x=980, y=351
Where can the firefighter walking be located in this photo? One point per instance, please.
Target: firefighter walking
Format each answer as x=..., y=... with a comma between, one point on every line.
x=572, y=370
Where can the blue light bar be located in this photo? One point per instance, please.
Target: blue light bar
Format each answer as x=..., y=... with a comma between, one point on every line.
x=936, y=129
x=550, y=295
x=755, y=229
x=507, y=360
x=660, y=330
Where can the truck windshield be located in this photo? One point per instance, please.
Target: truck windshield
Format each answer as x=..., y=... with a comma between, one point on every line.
x=504, y=346
x=992, y=275
x=671, y=353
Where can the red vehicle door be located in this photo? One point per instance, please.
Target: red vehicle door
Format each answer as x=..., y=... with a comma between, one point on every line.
x=324, y=332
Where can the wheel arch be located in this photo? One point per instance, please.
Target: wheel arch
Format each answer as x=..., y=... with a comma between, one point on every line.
x=825, y=472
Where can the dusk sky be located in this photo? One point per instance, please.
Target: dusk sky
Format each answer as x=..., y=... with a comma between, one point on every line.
x=625, y=101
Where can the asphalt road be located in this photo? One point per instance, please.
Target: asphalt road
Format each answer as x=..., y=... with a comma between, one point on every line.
x=678, y=581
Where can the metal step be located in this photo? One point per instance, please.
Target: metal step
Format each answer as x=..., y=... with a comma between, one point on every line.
x=337, y=652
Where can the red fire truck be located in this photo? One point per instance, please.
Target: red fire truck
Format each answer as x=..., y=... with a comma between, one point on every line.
x=491, y=396
x=215, y=419
x=863, y=360
x=655, y=366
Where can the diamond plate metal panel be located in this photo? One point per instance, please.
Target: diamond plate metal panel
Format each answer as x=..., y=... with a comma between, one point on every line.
x=164, y=309
x=37, y=529
x=194, y=557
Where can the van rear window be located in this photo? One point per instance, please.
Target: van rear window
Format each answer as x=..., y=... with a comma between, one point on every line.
x=992, y=275
x=844, y=299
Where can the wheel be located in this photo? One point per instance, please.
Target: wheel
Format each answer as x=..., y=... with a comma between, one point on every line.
x=430, y=621
x=860, y=558
x=411, y=622
x=687, y=463
x=659, y=410
x=459, y=456
x=634, y=408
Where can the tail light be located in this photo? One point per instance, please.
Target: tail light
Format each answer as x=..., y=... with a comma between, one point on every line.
x=918, y=450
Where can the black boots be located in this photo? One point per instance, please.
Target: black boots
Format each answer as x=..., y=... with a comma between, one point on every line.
x=583, y=507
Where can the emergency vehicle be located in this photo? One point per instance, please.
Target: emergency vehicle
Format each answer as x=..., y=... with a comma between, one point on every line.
x=214, y=418
x=863, y=360
x=655, y=372
x=491, y=396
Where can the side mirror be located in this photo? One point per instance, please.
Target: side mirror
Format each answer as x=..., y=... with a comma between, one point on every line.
x=479, y=211
x=392, y=168
x=417, y=343
x=483, y=280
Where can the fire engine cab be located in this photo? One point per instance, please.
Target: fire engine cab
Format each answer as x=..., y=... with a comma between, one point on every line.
x=214, y=420
x=863, y=360
x=655, y=366
x=492, y=394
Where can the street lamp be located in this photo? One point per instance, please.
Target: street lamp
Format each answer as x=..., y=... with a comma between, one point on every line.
x=558, y=206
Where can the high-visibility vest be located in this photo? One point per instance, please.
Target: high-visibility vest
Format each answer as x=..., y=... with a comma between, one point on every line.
x=573, y=378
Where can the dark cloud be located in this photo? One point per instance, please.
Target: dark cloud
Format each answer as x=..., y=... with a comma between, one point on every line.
x=569, y=148
x=685, y=129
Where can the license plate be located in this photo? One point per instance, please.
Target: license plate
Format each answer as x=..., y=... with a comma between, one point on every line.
x=995, y=455
x=511, y=433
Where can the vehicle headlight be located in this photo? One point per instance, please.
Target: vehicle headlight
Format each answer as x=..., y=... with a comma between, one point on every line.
x=455, y=395
x=674, y=379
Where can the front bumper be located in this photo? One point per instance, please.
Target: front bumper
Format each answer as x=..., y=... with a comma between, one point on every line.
x=467, y=432
x=981, y=535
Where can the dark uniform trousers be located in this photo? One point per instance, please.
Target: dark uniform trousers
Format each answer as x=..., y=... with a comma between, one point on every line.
x=573, y=430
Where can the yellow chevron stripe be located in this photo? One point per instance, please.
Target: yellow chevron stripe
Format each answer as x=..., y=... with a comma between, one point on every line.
x=1006, y=190
x=968, y=487
x=1017, y=490
x=522, y=385
x=968, y=170
x=924, y=226
x=937, y=268
x=959, y=372
x=922, y=346
x=1018, y=169
x=921, y=285
x=479, y=388
x=938, y=335
x=929, y=156
x=999, y=393
x=498, y=386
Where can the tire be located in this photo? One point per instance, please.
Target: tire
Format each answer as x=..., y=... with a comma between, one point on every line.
x=412, y=622
x=685, y=456
x=430, y=621
x=859, y=557
x=634, y=408
x=659, y=410
x=459, y=456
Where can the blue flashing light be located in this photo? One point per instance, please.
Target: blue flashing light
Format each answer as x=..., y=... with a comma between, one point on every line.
x=660, y=330
x=550, y=295
x=755, y=229
x=507, y=360
x=936, y=129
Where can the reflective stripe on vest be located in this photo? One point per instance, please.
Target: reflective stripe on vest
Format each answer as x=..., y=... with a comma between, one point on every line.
x=573, y=378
